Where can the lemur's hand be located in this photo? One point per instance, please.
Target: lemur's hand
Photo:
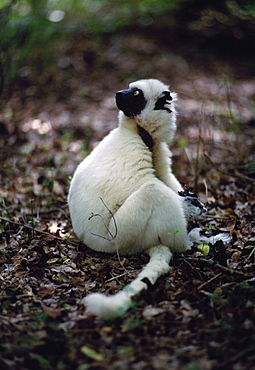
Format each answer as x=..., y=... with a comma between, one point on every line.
x=193, y=208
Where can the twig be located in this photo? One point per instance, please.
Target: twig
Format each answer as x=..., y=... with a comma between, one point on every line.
x=226, y=269
x=239, y=175
x=47, y=210
x=247, y=259
x=192, y=267
x=217, y=217
x=235, y=358
x=212, y=263
x=107, y=228
x=209, y=281
x=206, y=189
x=33, y=221
x=38, y=231
x=118, y=276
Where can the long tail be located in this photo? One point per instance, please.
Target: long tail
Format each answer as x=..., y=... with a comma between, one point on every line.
x=109, y=307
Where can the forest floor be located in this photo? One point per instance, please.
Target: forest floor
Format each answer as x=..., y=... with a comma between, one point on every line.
x=201, y=315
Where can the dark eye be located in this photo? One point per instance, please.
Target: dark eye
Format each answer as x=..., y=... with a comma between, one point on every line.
x=131, y=101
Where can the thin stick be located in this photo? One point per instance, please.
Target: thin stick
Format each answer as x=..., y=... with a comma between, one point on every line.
x=239, y=175
x=212, y=263
x=116, y=230
x=209, y=281
x=118, y=276
x=247, y=259
x=108, y=230
x=33, y=221
x=206, y=189
x=216, y=217
x=39, y=231
x=235, y=358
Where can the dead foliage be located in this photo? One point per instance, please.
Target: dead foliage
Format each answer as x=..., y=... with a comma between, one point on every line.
x=200, y=316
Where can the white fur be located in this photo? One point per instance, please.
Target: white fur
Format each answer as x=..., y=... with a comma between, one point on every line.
x=118, y=304
x=124, y=197
x=136, y=185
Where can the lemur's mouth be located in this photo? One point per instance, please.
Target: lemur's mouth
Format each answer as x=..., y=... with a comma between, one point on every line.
x=167, y=109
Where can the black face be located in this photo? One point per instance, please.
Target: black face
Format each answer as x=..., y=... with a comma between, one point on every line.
x=160, y=104
x=131, y=101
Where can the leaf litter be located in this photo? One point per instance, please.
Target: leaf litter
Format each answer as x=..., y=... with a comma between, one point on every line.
x=202, y=314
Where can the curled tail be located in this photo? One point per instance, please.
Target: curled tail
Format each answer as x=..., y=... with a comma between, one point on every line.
x=109, y=307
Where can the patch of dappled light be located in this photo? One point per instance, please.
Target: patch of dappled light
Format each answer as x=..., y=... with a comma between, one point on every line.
x=56, y=16
x=75, y=147
x=37, y=125
x=55, y=228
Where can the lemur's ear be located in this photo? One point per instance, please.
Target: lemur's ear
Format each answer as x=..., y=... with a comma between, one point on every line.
x=164, y=101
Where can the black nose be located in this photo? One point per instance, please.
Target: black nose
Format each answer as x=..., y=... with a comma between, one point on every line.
x=122, y=102
x=120, y=95
x=123, y=95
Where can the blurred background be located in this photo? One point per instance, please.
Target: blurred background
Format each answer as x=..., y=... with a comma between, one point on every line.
x=45, y=36
x=41, y=38
x=62, y=61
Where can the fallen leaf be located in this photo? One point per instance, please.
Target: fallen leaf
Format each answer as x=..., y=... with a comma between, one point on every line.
x=91, y=353
x=204, y=249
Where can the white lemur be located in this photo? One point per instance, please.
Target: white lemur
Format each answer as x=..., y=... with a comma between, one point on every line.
x=124, y=197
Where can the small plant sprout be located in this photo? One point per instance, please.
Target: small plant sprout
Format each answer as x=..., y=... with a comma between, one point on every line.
x=209, y=227
x=174, y=234
x=203, y=248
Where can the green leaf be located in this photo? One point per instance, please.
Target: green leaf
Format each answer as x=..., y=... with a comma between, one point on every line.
x=91, y=353
x=204, y=249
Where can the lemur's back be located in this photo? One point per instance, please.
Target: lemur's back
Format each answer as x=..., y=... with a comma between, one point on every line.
x=116, y=168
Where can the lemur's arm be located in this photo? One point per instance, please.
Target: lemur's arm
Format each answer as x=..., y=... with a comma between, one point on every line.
x=193, y=208
x=162, y=164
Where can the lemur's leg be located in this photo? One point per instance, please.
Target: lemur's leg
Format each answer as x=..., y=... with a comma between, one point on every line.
x=152, y=215
x=152, y=220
